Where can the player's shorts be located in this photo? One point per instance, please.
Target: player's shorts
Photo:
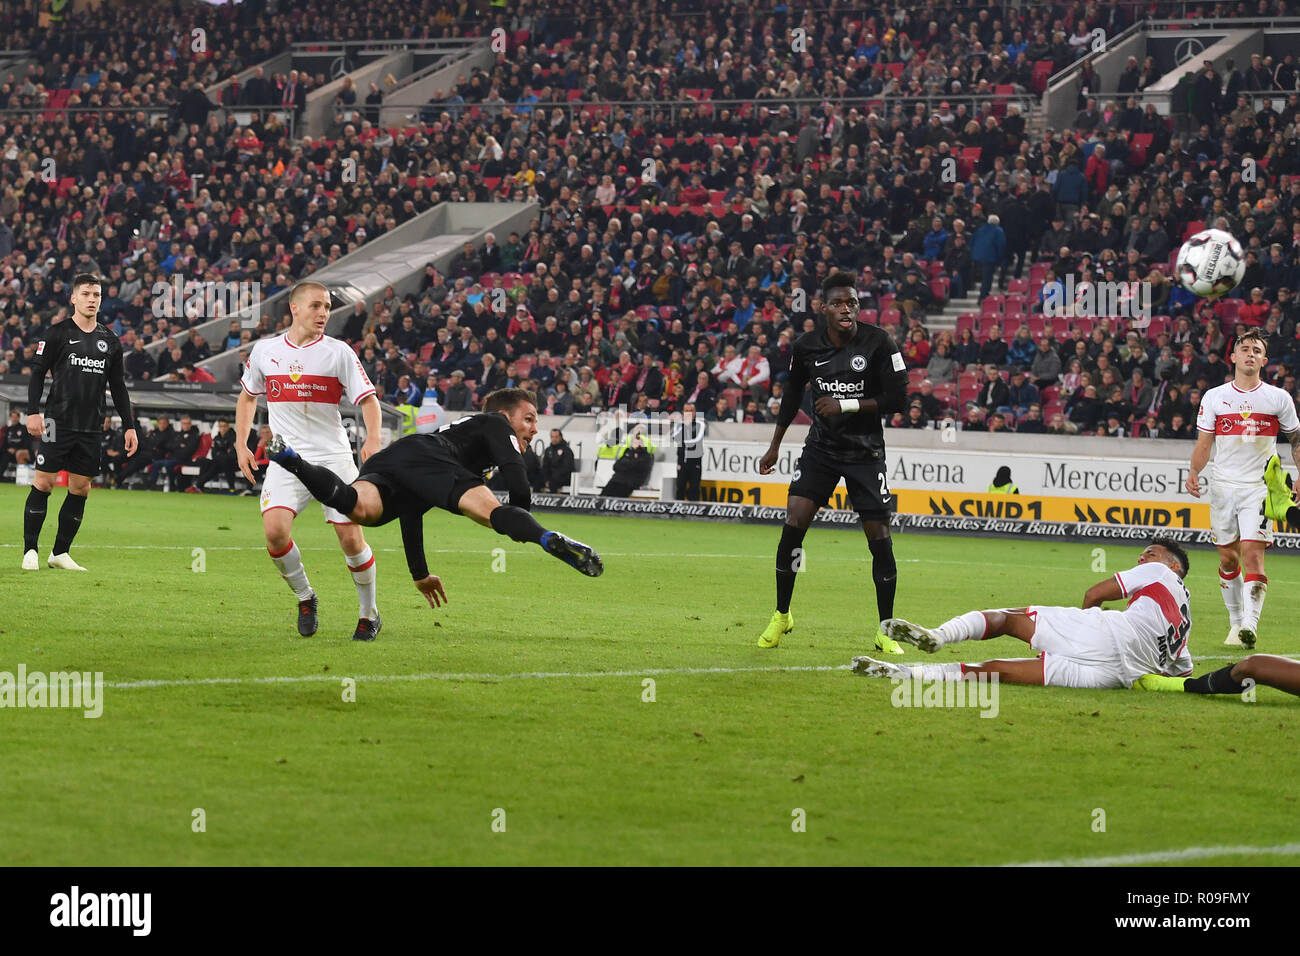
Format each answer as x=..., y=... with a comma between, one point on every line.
x=74, y=452
x=281, y=489
x=1237, y=512
x=417, y=473
x=1078, y=647
x=816, y=477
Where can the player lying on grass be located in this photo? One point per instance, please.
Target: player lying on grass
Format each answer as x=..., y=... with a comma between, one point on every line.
x=1078, y=647
x=1263, y=669
x=444, y=469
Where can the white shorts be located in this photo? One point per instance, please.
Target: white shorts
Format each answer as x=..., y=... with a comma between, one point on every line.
x=282, y=490
x=1078, y=647
x=1237, y=512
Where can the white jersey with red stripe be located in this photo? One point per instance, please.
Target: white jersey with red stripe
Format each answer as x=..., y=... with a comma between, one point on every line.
x=1152, y=631
x=1245, y=425
x=303, y=387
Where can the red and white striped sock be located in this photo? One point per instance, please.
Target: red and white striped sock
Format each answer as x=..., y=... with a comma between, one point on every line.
x=289, y=564
x=1254, y=590
x=1230, y=589
x=971, y=626
x=362, y=566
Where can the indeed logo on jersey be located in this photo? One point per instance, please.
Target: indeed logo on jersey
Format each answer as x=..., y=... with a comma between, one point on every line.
x=848, y=389
x=87, y=364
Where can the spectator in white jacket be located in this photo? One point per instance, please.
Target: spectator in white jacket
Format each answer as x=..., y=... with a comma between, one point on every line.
x=752, y=373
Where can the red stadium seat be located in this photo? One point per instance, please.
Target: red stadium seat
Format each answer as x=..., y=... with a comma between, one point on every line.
x=1055, y=408
x=1228, y=309
x=1192, y=229
x=1038, y=272
x=887, y=301
x=966, y=321
x=940, y=289
x=992, y=305
x=890, y=317
x=426, y=351
x=987, y=322
x=1049, y=394
x=1018, y=287
x=1042, y=71
x=915, y=377
x=735, y=397
x=1012, y=321
x=870, y=316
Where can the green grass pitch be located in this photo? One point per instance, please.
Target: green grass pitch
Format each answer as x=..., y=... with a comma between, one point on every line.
x=585, y=769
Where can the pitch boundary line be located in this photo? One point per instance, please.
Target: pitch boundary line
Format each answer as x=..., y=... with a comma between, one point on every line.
x=752, y=555
x=521, y=675
x=1170, y=856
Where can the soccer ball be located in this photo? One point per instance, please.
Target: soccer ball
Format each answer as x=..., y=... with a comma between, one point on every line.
x=1211, y=264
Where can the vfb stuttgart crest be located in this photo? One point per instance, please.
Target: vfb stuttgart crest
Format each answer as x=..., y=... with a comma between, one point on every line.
x=295, y=371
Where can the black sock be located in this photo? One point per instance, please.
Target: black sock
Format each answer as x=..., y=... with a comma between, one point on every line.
x=1293, y=517
x=787, y=566
x=884, y=571
x=516, y=524
x=69, y=522
x=1216, y=682
x=34, y=517
x=325, y=486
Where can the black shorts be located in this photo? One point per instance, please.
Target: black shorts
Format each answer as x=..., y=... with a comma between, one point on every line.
x=815, y=477
x=415, y=474
x=74, y=452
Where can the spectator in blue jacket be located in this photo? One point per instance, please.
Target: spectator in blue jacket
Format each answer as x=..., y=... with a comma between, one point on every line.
x=1070, y=191
x=1021, y=351
x=934, y=241
x=1021, y=393
x=988, y=250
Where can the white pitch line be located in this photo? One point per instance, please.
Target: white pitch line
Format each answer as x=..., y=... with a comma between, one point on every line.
x=523, y=675
x=1172, y=856
x=527, y=675
x=751, y=555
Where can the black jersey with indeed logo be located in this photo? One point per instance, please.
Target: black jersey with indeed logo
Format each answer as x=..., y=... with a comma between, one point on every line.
x=83, y=363
x=868, y=367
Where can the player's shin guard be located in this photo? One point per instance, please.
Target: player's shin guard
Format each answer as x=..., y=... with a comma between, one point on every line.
x=1230, y=588
x=362, y=566
x=289, y=564
x=1254, y=590
x=1216, y=682
x=884, y=572
x=74, y=506
x=325, y=486
x=516, y=524
x=788, y=564
x=34, y=517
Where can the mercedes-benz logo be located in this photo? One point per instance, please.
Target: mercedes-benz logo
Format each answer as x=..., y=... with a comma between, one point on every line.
x=1187, y=49
x=339, y=67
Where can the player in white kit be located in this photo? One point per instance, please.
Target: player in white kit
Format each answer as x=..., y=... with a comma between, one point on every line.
x=304, y=374
x=1078, y=647
x=1241, y=421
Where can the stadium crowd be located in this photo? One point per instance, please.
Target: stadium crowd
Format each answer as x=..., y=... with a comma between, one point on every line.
x=680, y=239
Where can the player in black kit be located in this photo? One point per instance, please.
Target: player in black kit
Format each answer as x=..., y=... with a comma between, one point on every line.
x=445, y=469
x=83, y=355
x=857, y=375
